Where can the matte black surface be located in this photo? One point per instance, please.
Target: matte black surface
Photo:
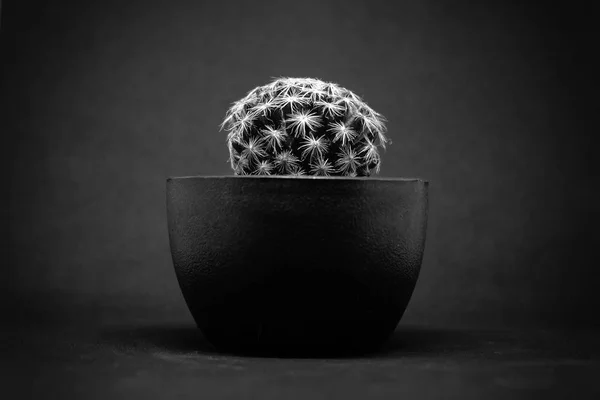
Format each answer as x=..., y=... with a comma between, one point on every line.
x=286, y=264
x=127, y=352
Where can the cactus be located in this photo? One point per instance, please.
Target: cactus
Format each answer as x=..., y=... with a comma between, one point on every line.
x=303, y=126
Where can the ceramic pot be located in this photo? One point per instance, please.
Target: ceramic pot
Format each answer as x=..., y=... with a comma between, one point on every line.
x=298, y=265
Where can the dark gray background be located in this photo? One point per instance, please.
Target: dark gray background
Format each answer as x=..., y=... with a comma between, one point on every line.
x=490, y=102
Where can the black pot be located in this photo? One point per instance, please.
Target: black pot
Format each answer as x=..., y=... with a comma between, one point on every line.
x=296, y=265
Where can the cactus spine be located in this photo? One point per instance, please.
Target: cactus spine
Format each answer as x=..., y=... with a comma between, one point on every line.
x=303, y=126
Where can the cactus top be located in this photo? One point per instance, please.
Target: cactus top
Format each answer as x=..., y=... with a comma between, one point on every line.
x=299, y=126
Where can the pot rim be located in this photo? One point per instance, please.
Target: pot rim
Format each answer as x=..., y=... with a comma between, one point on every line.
x=301, y=177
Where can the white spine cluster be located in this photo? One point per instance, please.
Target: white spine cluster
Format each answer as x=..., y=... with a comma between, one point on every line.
x=298, y=126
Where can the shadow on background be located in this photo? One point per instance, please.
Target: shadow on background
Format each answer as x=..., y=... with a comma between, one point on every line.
x=173, y=338
x=406, y=341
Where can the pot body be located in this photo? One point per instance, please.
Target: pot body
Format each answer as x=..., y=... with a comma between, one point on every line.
x=296, y=264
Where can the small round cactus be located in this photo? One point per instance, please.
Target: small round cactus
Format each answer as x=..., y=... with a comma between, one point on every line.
x=304, y=126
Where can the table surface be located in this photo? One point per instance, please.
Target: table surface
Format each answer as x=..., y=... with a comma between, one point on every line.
x=110, y=358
